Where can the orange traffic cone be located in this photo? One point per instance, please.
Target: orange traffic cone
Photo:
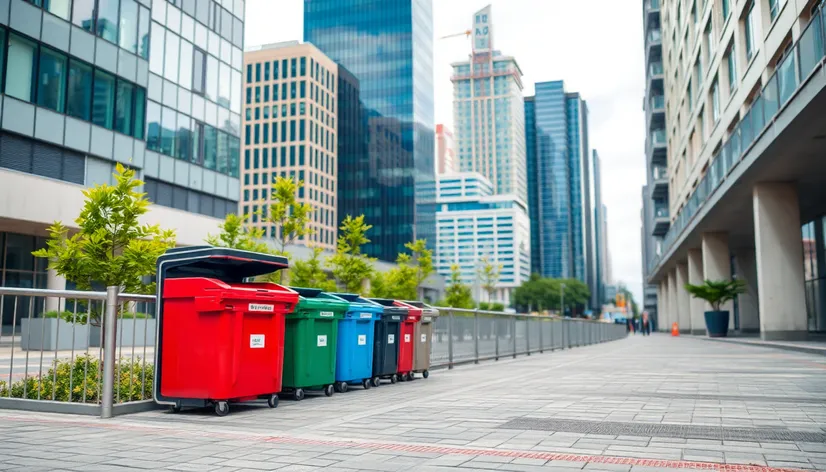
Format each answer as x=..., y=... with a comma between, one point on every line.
x=675, y=330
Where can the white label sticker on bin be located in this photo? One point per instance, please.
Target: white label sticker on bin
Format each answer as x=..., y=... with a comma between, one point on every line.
x=407, y=338
x=322, y=340
x=326, y=313
x=362, y=339
x=396, y=318
x=391, y=338
x=427, y=318
x=256, y=341
x=261, y=307
x=366, y=315
x=424, y=338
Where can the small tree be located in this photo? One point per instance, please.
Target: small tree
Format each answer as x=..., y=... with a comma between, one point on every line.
x=489, y=274
x=111, y=247
x=350, y=267
x=403, y=281
x=289, y=216
x=717, y=292
x=236, y=234
x=457, y=294
x=310, y=273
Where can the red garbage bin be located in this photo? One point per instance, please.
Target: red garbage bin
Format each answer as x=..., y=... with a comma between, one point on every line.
x=407, y=343
x=220, y=341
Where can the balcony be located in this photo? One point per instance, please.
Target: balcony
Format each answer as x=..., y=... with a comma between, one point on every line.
x=661, y=221
x=655, y=70
x=659, y=182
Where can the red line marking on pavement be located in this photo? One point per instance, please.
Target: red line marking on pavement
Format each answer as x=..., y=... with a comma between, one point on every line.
x=548, y=456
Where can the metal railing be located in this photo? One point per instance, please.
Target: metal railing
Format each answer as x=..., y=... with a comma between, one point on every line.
x=59, y=347
x=803, y=58
x=470, y=336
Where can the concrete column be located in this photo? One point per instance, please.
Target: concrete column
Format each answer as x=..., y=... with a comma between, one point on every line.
x=673, y=300
x=696, y=307
x=717, y=265
x=683, y=313
x=660, y=305
x=778, y=250
x=746, y=268
x=55, y=282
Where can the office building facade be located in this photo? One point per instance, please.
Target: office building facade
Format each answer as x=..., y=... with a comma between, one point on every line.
x=290, y=124
x=474, y=223
x=744, y=94
x=655, y=220
x=387, y=46
x=152, y=85
x=446, y=161
x=560, y=181
x=488, y=114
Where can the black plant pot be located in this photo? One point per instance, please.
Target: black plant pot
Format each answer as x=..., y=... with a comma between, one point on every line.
x=717, y=323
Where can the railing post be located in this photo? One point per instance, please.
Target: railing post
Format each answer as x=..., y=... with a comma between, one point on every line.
x=476, y=336
x=110, y=333
x=450, y=339
x=563, y=329
x=541, y=328
x=513, y=335
x=527, y=336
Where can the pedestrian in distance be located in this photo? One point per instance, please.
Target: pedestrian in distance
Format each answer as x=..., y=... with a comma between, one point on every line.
x=645, y=324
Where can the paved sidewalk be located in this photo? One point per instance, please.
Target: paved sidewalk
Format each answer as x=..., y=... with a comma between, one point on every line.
x=655, y=403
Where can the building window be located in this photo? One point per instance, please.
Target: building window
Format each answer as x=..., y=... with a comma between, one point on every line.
x=303, y=66
x=698, y=70
x=284, y=69
x=20, y=68
x=267, y=71
x=774, y=8
x=715, y=100
x=292, y=68
x=249, y=73
x=125, y=100
x=199, y=72
x=129, y=20
x=258, y=72
x=711, y=47
x=750, y=25
x=731, y=61
x=79, y=101
x=107, y=20
x=103, y=100
x=51, y=83
x=83, y=14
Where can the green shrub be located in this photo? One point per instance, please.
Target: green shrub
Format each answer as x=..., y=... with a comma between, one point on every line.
x=55, y=314
x=130, y=384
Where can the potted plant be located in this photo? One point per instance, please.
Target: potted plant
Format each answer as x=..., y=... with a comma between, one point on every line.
x=717, y=292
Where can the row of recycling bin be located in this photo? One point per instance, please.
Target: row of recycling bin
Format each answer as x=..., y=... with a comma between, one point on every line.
x=222, y=340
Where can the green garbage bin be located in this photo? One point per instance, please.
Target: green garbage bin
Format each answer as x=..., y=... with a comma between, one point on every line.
x=310, y=342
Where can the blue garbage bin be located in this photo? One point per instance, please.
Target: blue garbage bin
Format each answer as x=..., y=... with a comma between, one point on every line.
x=354, y=355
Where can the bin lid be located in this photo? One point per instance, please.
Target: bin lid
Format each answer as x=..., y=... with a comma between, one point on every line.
x=225, y=264
x=391, y=309
x=319, y=302
x=414, y=313
x=359, y=305
x=427, y=310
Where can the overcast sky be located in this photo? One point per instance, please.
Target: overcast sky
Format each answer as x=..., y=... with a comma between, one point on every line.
x=595, y=46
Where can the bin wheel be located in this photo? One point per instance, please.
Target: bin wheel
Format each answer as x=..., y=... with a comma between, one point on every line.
x=298, y=394
x=222, y=408
x=376, y=381
x=272, y=401
x=394, y=378
x=366, y=384
x=175, y=409
x=343, y=387
x=328, y=390
x=410, y=376
x=426, y=373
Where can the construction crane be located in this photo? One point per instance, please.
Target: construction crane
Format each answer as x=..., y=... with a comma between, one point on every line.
x=465, y=33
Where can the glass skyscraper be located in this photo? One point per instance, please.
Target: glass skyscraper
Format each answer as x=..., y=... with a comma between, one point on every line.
x=387, y=45
x=559, y=184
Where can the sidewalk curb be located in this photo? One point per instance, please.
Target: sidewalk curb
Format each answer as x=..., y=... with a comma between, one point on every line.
x=783, y=347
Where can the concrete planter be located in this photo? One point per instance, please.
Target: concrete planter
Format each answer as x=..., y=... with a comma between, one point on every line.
x=52, y=334
x=131, y=332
